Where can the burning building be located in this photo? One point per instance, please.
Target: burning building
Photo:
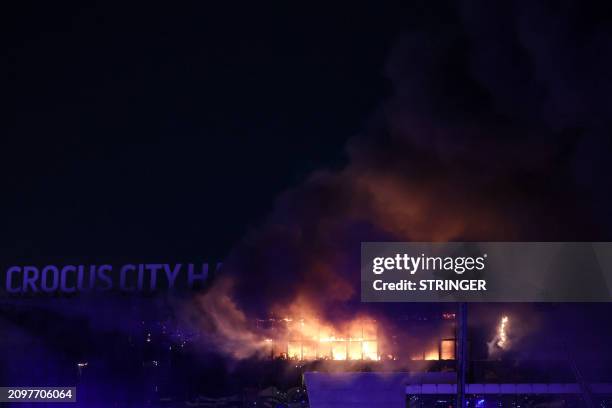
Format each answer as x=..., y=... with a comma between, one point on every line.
x=310, y=339
x=360, y=339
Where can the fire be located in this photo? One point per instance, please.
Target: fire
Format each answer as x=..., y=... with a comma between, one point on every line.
x=298, y=331
x=311, y=339
x=432, y=354
x=444, y=350
x=502, y=337
x=500, y=341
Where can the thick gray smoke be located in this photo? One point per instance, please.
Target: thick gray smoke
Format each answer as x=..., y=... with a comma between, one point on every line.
x=497, y=128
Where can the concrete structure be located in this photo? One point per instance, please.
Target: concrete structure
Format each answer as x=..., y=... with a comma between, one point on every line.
x=506, y=389
x=390, y=390
x=365, y=390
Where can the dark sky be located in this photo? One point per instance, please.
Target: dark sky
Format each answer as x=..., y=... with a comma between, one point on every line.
x=140, y=129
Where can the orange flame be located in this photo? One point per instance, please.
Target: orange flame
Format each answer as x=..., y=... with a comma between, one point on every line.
x=310, y=339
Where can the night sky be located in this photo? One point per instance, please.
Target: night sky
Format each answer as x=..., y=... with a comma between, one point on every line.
x=140, y=129
x=135, y=129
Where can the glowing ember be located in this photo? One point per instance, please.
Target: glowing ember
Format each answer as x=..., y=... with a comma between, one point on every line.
x=432, y=355
x=447, y=349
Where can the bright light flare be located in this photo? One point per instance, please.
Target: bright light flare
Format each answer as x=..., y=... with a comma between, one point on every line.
x=502, y=336
x=500, y=342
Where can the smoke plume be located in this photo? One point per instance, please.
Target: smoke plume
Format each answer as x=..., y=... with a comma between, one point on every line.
x=495, y=129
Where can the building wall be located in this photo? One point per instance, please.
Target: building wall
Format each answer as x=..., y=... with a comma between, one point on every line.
x=356, y=390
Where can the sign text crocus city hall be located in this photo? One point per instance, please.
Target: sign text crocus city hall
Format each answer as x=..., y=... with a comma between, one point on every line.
x=131, y=277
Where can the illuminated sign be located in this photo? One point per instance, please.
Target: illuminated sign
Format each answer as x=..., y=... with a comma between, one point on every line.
x=141, y=277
